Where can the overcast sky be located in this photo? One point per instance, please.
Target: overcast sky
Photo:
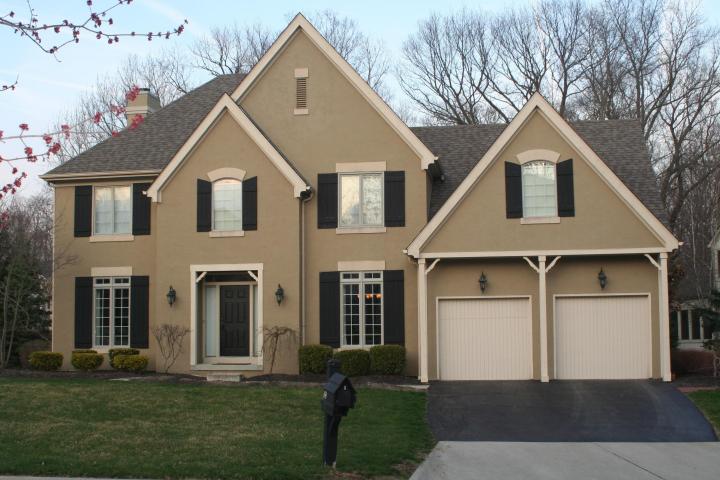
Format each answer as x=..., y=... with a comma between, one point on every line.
x=47, y=86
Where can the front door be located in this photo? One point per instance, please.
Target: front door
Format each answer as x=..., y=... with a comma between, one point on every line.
x=235, y=321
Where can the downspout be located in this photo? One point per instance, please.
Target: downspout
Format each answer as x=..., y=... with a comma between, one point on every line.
x=305, y=197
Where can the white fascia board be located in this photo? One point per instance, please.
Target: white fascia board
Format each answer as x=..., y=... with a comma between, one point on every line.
x=385, y=112
x=538, y=103
x=226, y=104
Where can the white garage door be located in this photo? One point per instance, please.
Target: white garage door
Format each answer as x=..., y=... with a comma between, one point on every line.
x=485, y=339
x=602, y=337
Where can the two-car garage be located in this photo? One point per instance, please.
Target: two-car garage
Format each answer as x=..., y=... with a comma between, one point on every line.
x=593, y=337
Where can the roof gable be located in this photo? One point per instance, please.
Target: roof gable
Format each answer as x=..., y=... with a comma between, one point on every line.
x=537, y=104
x=385, y=112
x=227, y=105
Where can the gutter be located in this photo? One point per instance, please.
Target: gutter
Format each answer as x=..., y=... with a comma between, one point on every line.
x=52, y=177
x=305, y=198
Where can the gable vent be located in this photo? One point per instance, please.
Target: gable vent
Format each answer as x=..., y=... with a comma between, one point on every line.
x=301, y=96
x=301, y=93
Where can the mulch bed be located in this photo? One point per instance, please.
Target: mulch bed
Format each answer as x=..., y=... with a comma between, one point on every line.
x=377, y=381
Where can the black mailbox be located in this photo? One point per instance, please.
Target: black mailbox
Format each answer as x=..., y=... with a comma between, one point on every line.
x=339, y=395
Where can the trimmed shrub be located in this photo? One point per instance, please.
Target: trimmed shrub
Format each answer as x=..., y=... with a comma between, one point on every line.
x=43, y=360
x=353, y=363
x=84, y=350
x=28, y=348
x=314, y=358
x=387, y=359
x=86, y=360
x=131, y=363
x=114, y=352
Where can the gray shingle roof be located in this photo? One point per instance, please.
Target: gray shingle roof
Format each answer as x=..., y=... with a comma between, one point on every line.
x=620, y=143
x=152, y=145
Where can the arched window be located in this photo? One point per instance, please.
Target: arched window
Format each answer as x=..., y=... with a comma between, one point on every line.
x=227, y=205
x=539, y=189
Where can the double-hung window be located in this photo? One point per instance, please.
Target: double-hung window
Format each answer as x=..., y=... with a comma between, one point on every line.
x=361, y=308
x=539, y=189
x=111, y=311
x=227, y=205
x=113, y=210
x=361, y=200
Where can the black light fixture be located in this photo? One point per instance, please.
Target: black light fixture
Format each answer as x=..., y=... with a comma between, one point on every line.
x=602, y=278
x=483, y=282
x=171, y=296
x=279, y=294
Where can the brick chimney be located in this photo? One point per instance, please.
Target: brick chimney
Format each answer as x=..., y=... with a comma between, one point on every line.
x=144, y=104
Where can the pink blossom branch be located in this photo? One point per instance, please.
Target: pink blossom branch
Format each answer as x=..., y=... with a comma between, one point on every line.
x=32, y=29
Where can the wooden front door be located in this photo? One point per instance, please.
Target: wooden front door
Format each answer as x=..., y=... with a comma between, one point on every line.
x=235, y=321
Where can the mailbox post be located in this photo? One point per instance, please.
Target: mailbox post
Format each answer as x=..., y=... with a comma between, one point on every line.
x=338, y=398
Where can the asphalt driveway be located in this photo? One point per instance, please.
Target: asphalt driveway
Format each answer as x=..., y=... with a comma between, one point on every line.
x=564, y=411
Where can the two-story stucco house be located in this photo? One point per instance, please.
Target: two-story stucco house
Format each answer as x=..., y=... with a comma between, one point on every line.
x=533, y=250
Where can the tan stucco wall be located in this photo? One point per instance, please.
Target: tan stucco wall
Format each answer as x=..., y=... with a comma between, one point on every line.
x=602, y=219
x=275, y=243
x=74, y=257
x=340, y=127
x=512, y=277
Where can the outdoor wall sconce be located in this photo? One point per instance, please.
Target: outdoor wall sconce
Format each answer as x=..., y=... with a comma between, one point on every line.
x=602, y=278
x=483, y=282
x=171, y=296
x=279, y=294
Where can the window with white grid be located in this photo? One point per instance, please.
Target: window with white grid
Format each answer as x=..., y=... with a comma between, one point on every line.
x=361, y=308
x=112, y=311
x=539, y=189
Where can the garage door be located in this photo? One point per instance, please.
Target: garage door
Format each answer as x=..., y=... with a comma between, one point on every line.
x=602, y=337
x=485, y=339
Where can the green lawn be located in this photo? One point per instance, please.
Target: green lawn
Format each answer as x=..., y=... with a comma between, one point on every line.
x=138, y=429
x=709, y=403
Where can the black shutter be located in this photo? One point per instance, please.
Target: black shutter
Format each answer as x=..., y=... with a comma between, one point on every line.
x=513, y=190
x=204, y=205
x=395, y=199
x=565, y=189
x=394, y=306
x=141, y=209
x=327, y=200
x=249, y=204
x=139, y=312
x=330, y=308
x=83, y=210
x=83, y=312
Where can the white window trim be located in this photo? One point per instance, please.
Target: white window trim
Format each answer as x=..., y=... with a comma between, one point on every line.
x=361, y=281
x=538, y=154
x=112, y=237
x=224, y=233
x=539, y=219
x=111, y=272
x=360, y=265
x=112, y=287
x=361, y=228
x=196, y=270
x=360, y=167
x=226, y=172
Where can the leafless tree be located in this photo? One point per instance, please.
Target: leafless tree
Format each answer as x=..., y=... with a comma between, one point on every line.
x=170, y=340
x=272, y=339
x=166, y=74
x=231, y=49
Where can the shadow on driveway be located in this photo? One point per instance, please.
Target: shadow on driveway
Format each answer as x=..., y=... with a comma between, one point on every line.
x=564, y=411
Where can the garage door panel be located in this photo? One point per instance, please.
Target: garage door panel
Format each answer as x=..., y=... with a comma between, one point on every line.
x=484, y=339
x=602, y=337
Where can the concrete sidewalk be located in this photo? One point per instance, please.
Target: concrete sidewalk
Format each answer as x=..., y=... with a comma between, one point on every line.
x=557, y=461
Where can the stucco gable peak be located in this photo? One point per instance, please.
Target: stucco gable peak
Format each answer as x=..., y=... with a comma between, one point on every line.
x=299, y=22
x=538, y=104
x=226, y=105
